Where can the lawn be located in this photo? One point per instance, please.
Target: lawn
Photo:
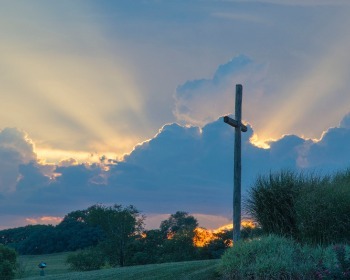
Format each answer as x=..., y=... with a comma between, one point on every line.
x=57, y=269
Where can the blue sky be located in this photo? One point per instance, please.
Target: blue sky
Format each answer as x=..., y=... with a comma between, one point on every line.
x=120, y=101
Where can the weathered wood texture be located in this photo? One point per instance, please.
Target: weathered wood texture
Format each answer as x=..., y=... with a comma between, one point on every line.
x=239, y=127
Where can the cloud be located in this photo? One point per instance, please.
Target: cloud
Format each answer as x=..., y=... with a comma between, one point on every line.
x=345, y=122
x=241, y=17
x=298, y=2
x=71, y=88
x=332, y=152
x=184, y=168
x=189, y=168
x=31, y=177
x=85, y=80
x=15, y=149
x=201, y=101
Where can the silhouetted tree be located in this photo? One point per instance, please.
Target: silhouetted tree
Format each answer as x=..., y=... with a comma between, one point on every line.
x=7, y=263
x=180, y=222
x=120, y=224
x=178, y=233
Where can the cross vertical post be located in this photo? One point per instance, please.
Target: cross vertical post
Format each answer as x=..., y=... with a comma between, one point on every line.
x=239, y=127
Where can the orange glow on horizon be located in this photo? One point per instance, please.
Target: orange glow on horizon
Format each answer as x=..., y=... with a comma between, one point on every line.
x=204, y=236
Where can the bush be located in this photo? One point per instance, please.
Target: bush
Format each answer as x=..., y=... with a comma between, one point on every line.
x=271, y=202
x=322, y=211
x=7, y=263
x=310, y=209
x=274, y=257
x=335, y=263
x=270, y=257
x=323, y=214
x=85, y=260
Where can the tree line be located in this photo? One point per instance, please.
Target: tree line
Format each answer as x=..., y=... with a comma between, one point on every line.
x=115, y=236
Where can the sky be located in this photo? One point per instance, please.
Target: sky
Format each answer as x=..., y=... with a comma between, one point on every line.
x=122, y=102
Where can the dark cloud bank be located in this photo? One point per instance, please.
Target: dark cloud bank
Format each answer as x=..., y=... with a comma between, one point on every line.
x=181, y=168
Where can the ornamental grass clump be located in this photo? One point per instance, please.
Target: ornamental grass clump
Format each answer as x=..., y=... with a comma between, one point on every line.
x=272, y=199
x=270, y=257
x=322, y=215
x=308, y=208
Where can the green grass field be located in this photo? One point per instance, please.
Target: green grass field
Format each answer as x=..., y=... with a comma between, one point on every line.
x=57, y=269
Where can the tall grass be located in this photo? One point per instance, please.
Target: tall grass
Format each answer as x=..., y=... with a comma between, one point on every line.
x=272, y=199
x=323, y=214
x=307, y=207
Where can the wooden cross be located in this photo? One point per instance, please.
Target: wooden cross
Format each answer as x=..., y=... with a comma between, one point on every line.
x=239, y=127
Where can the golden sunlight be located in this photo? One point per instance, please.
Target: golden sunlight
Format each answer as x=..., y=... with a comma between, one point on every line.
x=79, y=104
x=259, y=142
x=204, y=236
x=62, y=156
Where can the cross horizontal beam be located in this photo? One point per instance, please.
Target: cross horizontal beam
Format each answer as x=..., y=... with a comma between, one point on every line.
x=235, y=123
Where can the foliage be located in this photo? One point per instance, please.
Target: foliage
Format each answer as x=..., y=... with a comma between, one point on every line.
x=44, y=239
x=335, y=264
x=179, y=248
x=89, y=235
x=275, y=257
x=39, y=241
x=178, y=233
x=271, y=202
x=270, y=257
x=120, y=224
x=7, y=263
x=180, y=222
x=14, y=236
x=146, y=250
x=173, y=242
x=323, y=212
x=248, y=233
x=85, y=260
x=311, y=209
x=217, y=246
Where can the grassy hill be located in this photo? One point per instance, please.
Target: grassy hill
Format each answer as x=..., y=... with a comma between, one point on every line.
x=57, y=269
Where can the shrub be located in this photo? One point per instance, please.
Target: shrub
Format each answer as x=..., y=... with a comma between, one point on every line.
x=271, y=202
x=310, y=209
x=85, y=260
x=323, y=214
x=270, y=257
x=274, y=257
x=7, y=263
x=334, y=264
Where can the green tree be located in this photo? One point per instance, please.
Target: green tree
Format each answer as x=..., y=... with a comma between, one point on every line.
x=71, y=234
x=218, y=245
x=180, y=222
x=178, y=233
x=75, y=233
x=7, y=263
x=120, y=224
x=147, y=249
